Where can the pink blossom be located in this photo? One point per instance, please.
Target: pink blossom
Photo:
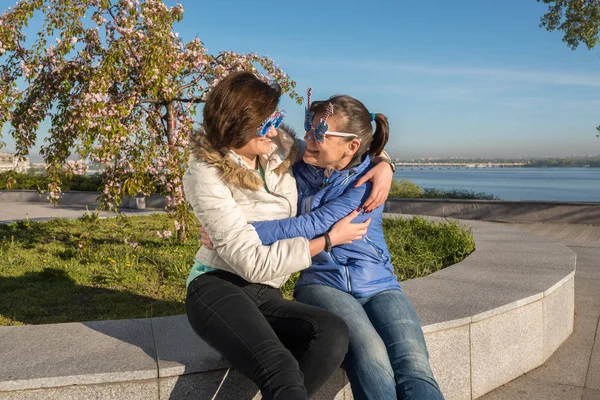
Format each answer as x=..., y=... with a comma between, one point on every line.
x=164, y=234
x=113, y=86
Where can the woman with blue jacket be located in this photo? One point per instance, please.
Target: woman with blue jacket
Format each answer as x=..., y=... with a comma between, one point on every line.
x=387, y=356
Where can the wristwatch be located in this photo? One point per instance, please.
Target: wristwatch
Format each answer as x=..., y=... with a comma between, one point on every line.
x=392, y=165
x=328, y=245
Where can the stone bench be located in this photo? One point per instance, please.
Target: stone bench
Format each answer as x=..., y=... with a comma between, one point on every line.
x=488, y=319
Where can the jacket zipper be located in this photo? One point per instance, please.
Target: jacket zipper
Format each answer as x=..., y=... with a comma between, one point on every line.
x=348, y=284
x=377, y=253
x=346, y=272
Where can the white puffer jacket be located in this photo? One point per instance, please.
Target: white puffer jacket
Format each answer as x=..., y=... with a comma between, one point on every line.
x=226, y=196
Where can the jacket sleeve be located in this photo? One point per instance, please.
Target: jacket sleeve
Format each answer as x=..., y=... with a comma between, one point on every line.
x=233, y=238
x=315, y=223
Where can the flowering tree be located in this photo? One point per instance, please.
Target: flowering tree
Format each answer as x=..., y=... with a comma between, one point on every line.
x=120, y=88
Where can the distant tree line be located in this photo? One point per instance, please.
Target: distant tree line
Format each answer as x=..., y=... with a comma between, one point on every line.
x=564, y=162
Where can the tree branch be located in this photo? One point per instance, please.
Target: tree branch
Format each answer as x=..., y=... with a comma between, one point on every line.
x=190, y=100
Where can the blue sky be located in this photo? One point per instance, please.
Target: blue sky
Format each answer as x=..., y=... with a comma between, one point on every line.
x=461, y=78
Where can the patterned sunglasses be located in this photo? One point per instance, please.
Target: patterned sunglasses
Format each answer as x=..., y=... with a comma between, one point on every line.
x=273, y=121
x=322, y=129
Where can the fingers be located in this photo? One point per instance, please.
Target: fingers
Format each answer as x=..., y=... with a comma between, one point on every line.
x=369, y=202
x=353, y=214
x=375, y=200
x=362, y=230
x=374, y=204
x=205, y=240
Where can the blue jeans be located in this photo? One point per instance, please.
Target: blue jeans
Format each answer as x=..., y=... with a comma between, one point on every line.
x=387, y=356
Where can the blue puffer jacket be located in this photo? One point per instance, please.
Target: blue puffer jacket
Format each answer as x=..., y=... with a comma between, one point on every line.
x=362, y=268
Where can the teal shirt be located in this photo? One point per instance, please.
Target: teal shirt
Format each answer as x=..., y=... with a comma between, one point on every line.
x=197, y=269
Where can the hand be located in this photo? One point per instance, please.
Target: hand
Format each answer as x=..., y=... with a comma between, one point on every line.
x=344, y=231
x=381, y=176
x=204, y=239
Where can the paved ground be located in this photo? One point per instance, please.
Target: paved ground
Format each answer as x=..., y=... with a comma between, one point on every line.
x=44, y=211
x=573, y=372
x=571, y=235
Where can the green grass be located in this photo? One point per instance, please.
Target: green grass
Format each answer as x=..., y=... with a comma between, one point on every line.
x=93, y=269
x=420, y=247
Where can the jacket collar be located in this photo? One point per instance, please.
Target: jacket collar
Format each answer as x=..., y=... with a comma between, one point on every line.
x=233, y=170
x=320, y=176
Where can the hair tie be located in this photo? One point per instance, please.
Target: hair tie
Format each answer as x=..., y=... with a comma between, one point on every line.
x=372, y=116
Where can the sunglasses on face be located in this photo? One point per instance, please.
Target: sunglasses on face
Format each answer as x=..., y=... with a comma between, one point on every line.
x=319, y=135
x=273, y=121
x=319, y=132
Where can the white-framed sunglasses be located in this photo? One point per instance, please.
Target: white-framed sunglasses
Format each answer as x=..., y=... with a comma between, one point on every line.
x=322, y=129
x=311, y=133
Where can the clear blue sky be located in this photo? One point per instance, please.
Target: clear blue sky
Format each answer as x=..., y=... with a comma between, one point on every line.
x=455, y=78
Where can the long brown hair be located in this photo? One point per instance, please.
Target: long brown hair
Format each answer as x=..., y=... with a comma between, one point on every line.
x=352, y=116
x=236, y=107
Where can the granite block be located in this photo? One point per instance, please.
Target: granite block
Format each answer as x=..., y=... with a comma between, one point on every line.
x=560, y=284
x=559, y=313
x=443, y=300
x=449, y=355
x=217, y=385
x=38, y=356
x=333, y=389
x=232, y=385
x=180, y=350
x=533, y=280
x=555, y=256
x=140, y=390
x=505, y=346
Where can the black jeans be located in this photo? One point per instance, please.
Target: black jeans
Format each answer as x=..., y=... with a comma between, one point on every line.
x=288, y=349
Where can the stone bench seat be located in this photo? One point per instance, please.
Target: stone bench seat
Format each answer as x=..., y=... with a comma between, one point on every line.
x=492, y=317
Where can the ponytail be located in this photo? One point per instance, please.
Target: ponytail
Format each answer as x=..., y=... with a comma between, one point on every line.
x=381, y=135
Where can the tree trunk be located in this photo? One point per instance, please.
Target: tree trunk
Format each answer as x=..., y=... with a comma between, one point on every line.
x=171, y=119
x=171, y=124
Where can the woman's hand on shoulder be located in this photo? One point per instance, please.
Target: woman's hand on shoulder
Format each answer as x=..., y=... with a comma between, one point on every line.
x=381, y=175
